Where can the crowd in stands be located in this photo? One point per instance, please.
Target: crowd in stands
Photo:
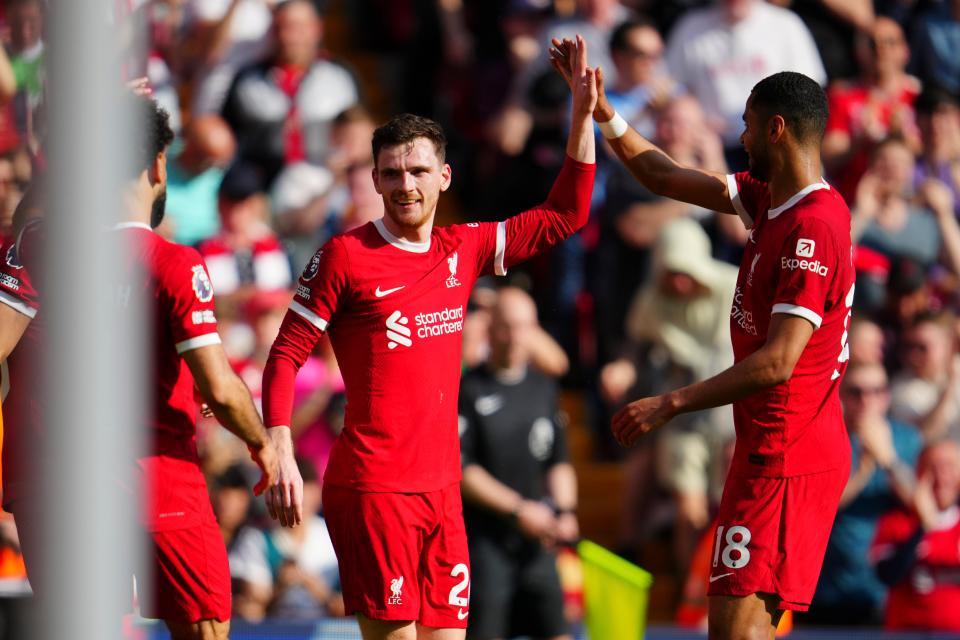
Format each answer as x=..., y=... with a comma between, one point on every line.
x=274, y=103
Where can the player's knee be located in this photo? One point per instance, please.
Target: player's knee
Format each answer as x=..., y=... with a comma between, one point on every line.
x=202, y=630
x=372, y=629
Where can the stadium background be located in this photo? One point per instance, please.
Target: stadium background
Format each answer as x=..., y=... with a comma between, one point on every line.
x=256, y=192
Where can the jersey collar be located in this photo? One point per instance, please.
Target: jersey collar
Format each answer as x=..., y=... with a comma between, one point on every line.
x=131, y=225
x=400, y=243
x=797, y=197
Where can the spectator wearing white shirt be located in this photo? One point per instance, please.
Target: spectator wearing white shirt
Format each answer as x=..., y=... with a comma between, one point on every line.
x=721, y=52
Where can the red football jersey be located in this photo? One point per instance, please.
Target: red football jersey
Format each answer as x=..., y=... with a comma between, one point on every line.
x=395, y=312
x=797, y=261
x=181, y=295
x=20, y=419
x=929, y=598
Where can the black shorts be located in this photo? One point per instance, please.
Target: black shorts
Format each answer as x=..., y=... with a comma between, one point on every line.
x=514, y=591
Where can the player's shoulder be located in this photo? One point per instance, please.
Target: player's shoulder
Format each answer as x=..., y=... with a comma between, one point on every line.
x=827, y=207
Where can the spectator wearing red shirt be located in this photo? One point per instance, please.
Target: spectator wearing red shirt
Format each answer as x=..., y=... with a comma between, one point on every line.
x=878, y=106
x=245, y=256
x=917, y=552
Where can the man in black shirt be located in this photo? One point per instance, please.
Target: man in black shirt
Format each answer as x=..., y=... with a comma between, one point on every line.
x=519, y=490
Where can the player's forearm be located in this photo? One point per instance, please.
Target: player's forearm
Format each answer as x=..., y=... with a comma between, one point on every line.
x=290, y=350
x=760, y=370
x=233, y=407
x=483, y=490
x=569, y=198
x=561, y=484
x=581, y=145
x=648, y=163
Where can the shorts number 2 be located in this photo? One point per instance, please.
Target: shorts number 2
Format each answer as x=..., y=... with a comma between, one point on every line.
x=455, y=598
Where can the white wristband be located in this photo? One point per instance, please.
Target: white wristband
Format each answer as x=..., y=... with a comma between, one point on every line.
x=613, y=128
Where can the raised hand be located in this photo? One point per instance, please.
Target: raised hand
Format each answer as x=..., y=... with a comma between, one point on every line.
x=569, y=58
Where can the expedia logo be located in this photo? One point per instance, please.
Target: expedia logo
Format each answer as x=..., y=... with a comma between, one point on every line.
x=814, y=266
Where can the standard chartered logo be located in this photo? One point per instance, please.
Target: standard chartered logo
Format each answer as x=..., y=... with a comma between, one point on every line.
x=398, y=333
x=428, y=325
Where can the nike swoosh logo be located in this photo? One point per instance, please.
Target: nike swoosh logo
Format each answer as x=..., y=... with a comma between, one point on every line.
x=462, y=615
x=722, y=575
x=387, y=292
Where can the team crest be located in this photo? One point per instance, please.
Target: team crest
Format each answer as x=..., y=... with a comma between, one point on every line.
x=452, y=264
x=201, y=284
x=313, y=267
x=396, y=589
x=13, y=259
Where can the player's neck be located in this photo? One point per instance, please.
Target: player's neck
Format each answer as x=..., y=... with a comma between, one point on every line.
x=798, y=170
x=419, y=234
x=137, y=205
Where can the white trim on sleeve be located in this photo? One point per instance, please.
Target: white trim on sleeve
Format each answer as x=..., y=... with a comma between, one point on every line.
x=18, y=305
x=205, y=340
x=308, y=315
x=498, y=267
x=797, y=310
x=734, y=192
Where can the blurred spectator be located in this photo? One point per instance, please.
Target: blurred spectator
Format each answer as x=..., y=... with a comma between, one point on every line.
x=224, y=36
x=519, y=490
x=546, y=355
x=885, y=218
x=720, y=53
x=867, y=342
x=10, y=193
x=289, y=574
x=878, y=106
x=595, y=20
x=281, y=108
x=679, y=331
x=633, y=216
x=231, y=500
x=318, y=403
x=307, y=582
x=925, y=392
x=935, y=41
x=834, y=25
x=642, y=83
x=938, y=118
x=245, y=256
x=917, y=550
x=28, y=60
x=311, y=203
x=884, y=452
x=194, y=176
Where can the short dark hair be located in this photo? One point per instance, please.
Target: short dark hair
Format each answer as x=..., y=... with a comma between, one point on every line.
x=404, y=129
x=618, y=39
x=799, y=100
x=932, y=98
x=155, y=123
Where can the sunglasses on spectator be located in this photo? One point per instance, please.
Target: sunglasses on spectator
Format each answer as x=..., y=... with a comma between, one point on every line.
x=862, y=392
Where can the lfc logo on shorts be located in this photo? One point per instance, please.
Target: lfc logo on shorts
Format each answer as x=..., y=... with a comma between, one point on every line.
x=396, y=586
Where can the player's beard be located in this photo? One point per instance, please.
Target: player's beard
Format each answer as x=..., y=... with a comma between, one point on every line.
x=408, y=221
x=759, y=164
x=158, y=209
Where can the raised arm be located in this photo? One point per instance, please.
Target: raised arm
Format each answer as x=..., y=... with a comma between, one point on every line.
x=655, y=170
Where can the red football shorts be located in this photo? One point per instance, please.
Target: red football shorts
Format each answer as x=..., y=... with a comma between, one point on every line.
x=191, y=575
x=772, y=534
x=403, y=556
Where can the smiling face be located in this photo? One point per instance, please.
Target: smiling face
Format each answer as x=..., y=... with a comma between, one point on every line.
x=409, y=177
